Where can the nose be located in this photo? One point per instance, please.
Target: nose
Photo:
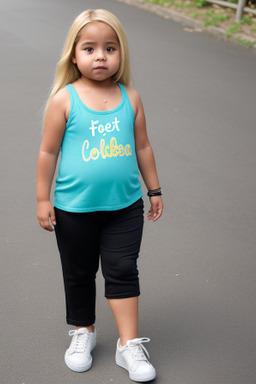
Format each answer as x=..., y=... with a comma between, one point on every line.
x=100, y=55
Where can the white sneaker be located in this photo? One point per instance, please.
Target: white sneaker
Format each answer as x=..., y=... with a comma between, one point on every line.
x=78, y=355
x=132, y=358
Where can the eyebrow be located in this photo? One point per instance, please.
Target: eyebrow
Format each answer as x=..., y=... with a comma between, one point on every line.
x=93, y=43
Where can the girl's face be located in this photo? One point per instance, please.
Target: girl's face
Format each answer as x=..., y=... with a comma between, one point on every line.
x=97, y=53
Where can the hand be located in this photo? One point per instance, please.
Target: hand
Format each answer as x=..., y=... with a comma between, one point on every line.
x=156, y=208
x=46, y=215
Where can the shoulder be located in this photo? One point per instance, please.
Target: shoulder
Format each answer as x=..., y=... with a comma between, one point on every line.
x=61, y=102
x=134, y=98
x=132, y=94
x=62, y=96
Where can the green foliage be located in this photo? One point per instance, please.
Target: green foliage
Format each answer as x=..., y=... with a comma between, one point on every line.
x=249, y=44
x=183, y=5
x=159, y=2
x=200, y=3
x=180, y=4
x=234, y=29
x=213, y=18
x=247, y=20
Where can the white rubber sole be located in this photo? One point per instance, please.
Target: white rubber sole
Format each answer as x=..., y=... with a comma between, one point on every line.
x=80, y=368
x=76, y=368
x=137, y=377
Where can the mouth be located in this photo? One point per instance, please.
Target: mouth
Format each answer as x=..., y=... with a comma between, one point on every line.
x=100, y=68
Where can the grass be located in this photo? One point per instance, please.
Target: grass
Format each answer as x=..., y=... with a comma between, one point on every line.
x=159, y=2
x=247, y=43
x=213, y=18
x=235, y=28
x=212, y=14
x=247, y=20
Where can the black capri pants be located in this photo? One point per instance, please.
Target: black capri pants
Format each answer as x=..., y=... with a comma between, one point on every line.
x=83, y=238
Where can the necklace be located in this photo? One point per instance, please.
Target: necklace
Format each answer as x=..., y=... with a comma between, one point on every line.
x=105, y=100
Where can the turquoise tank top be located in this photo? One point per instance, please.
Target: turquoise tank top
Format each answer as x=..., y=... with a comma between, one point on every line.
x=98, y=168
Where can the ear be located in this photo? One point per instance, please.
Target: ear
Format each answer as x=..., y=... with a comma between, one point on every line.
x=73, y=60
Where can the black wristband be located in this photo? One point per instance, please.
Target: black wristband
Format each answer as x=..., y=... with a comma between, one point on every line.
x=154, y=192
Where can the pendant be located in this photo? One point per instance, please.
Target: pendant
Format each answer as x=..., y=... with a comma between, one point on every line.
x=105, y=100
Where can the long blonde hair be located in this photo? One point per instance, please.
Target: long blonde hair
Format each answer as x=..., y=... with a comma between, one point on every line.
x=67, y=72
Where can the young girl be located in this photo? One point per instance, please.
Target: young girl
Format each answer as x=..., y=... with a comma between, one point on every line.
x=97, y=120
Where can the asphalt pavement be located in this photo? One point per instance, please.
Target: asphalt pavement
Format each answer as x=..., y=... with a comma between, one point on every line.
x=197, y=264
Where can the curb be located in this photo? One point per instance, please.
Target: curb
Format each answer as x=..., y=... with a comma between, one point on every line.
x=190, y=24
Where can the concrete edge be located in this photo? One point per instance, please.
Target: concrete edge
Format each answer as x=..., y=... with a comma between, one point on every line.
x=188, y=22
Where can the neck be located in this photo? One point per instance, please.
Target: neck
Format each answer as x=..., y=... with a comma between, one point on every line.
x=84, y=81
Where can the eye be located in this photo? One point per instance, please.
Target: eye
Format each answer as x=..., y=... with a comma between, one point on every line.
x=89, y=49
x=110, y=49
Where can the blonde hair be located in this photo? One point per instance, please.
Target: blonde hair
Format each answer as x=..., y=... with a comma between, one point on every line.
x=67, y=72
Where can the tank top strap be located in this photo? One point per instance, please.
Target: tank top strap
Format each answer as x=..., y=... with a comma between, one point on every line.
x=72, y=93
x=74, y=101
x=126, y=100
x=122, y=88
x=123, y=92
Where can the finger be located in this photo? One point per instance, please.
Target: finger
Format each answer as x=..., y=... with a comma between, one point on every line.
x=45, y=224
x=158, y=215
x=49, y=228
x=154, y=208
x=52, y=217
x=155, y=212
x=150, y=214
x=48, y=225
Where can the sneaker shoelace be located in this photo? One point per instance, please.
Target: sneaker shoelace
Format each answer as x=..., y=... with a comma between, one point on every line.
x=80, y=341
x=137, y=349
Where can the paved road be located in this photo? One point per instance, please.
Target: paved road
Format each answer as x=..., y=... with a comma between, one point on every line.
x=198, y=263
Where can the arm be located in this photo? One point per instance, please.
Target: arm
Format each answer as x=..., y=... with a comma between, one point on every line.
x=54, y=128
x=145, y=156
